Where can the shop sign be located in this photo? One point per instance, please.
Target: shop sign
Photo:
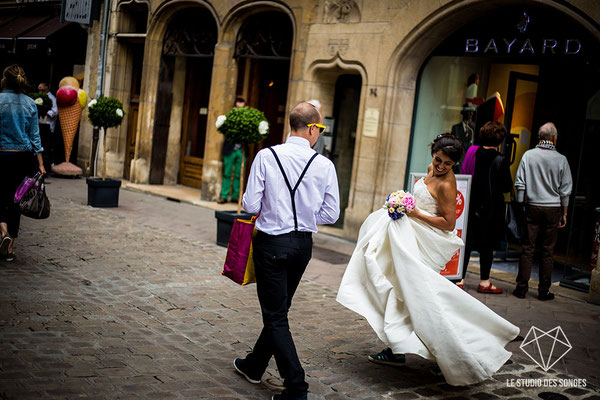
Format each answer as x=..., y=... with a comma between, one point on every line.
x=514, y=46
x=371, y=122
x=454, y=267
x=541, y=45
x=79, y=11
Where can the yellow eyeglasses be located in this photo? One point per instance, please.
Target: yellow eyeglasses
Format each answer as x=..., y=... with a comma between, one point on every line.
x=321, y=127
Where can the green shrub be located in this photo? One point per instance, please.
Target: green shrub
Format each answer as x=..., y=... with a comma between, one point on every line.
x=106, y=112
x=243, y=125
x=44, y=99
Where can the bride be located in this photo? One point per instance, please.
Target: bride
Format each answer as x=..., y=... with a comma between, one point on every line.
x=393, y=280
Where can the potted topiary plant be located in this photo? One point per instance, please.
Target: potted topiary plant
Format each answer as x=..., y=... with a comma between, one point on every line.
x=243, y=125
x=105, y=112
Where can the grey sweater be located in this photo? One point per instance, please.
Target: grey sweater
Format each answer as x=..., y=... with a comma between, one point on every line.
x=544, y=178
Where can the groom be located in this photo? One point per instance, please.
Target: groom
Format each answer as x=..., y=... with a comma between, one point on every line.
x=294, y=189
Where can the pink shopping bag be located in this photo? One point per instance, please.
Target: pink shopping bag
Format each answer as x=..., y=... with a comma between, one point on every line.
x=28, y=183
x=239, y=265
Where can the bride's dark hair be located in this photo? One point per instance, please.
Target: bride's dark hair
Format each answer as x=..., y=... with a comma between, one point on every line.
x=449, y=144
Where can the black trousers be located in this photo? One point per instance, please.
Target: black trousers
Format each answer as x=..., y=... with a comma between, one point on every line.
x=486, y=258
x=279, y=262
x=14, y=167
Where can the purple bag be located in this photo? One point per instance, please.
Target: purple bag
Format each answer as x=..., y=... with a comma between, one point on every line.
x=24, y=187
x=239, y=265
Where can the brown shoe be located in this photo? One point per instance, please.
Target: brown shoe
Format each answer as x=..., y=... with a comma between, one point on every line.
x=221, y=201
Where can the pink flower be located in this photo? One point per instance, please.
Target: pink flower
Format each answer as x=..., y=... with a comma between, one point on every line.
x=408, y=201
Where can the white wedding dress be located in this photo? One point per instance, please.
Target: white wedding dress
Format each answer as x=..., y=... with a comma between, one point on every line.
x=393, y=280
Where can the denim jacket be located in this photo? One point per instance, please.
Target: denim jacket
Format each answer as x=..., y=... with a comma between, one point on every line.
x=19, y=128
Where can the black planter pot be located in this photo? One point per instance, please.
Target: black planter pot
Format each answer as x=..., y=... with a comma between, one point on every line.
x=225, y=220
x=103, y=193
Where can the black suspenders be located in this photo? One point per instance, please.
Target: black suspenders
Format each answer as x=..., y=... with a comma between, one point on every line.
x=293, y=191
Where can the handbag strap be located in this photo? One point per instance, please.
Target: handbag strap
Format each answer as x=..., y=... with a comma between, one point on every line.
x=287, y=182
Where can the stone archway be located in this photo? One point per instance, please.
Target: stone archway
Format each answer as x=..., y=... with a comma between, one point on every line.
x=157, y=27
x=224, y=83
x=324, y=76
x=403, y=71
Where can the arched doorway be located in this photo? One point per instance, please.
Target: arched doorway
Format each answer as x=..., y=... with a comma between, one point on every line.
x=545, y=66
x=182, y=98
x=263, y=51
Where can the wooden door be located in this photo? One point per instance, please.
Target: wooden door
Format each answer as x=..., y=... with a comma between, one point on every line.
x=134, y=105
x=195, y=115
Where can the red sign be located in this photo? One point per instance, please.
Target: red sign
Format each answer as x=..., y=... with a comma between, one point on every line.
x=460, y=204
x=453, y=265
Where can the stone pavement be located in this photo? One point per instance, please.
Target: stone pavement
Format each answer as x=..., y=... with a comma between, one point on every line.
x=128, y=303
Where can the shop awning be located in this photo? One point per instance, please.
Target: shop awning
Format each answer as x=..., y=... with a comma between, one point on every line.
x=27, y=33
x=45, y=29
x=19, y=25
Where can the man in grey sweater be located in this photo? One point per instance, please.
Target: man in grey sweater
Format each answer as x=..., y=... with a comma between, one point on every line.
x=544, y=182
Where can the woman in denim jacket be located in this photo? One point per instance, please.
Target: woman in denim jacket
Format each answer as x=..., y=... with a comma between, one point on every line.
x=19, y=141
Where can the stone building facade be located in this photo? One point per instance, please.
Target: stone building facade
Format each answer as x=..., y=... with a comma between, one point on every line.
x=379, y=69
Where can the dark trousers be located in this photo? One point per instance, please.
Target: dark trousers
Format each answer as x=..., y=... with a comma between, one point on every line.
x=486, y=257
x=542, y=222
x=14, y=167
x=279, y=262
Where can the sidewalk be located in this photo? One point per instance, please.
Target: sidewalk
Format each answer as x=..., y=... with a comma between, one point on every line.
x=128, y=303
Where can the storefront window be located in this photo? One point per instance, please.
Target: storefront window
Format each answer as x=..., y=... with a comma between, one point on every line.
x=441, y=97
x=537, y=83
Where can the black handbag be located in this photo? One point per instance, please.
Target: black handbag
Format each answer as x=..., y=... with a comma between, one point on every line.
x=35, y=203
x=514, y=220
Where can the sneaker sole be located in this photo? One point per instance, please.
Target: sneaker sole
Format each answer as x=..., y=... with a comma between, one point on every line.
x=239, y=371
x=390, y=363
x=4, y=246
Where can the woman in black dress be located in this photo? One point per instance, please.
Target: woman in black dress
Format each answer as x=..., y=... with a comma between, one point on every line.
x=491, y=179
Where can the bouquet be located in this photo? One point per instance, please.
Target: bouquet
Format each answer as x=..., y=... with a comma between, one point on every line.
x=398, y=203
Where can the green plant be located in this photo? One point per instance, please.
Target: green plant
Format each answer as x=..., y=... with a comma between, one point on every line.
x=42, y=101
x=106, y=112
x=243, y=125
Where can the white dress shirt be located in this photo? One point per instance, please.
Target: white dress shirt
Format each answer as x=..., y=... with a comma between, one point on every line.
x=317, y=197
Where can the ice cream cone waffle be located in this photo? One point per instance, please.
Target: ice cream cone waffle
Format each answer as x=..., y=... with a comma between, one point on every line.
x=69, y=121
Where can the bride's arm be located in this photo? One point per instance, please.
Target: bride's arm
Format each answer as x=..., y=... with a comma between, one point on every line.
x=446, y=198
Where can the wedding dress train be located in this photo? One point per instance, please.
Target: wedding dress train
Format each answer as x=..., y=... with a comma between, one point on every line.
x=393, y=280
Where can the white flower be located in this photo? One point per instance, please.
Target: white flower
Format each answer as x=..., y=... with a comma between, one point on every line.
x=39, y=101
x=263, y=127
x=119, y=112
x=220, y=120
x=92, y=103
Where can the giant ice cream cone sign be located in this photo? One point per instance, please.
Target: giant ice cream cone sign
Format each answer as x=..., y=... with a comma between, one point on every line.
x=69, y=122
x=69, y=114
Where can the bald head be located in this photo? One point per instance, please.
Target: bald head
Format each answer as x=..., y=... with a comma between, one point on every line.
x=302, y=115
x=548, y=132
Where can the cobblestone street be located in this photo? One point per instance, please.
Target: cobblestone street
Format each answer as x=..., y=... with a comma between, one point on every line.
x=115, y=304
